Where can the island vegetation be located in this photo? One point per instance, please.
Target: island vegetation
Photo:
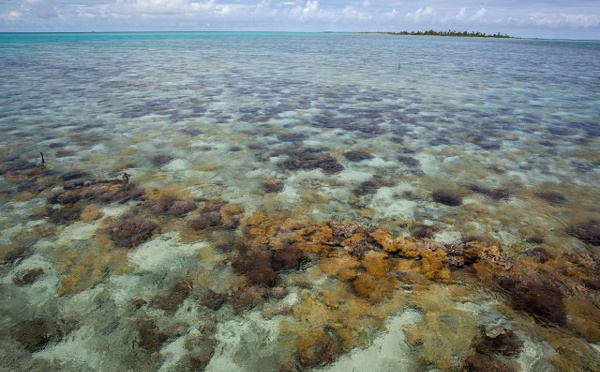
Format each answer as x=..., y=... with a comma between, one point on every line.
x=448, y=33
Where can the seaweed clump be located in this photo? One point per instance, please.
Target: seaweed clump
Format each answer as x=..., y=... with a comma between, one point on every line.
x=371, y=186
x=217, y=214
x=588, y=232
x=161, y=159
x=421, y=230
x=496, y=194
x=170, y=205
x=272, y=185
x=27, y=277
x=149, y=336
x=171, y=300
x=552, y=197
x=131, y=232
x=536, y=297
x=357, y=155
x=35, y=334
x=447, y=197
x=488, y=348
x=303, y=160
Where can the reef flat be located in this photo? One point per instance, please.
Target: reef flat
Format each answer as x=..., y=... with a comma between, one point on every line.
x=291, y=202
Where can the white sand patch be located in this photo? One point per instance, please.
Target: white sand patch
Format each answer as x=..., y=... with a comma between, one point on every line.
x=389, y=352
x=172, y=353
x=246, y=344
x=429, y=164
x=380, y=163
x=73, y=350
x=535, y=355
x=163, y=253
x=114, y=210
x=447, y=236
x=388, y=204
x=289, y=193
x=352, y=175
x=82, y=302
x=77, y=231
x=177, y=165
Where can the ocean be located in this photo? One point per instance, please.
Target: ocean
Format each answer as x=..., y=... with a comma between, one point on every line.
x=219, y=201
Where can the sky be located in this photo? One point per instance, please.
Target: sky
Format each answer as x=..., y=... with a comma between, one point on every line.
x=566, y=19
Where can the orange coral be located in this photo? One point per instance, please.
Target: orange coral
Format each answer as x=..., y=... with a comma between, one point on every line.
x=373, y=289
x=340, y=264
x=231, y=214
x=377, y=264
x=433, y=266
x=385, y=240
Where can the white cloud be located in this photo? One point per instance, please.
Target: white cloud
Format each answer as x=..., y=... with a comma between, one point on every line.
x=463, y=17
x=12, y=15
x=161, y=7
x=478, y=15
x=568, y=20
x=421, y=14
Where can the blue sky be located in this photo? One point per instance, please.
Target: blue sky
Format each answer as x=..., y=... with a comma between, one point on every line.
x=573, y=19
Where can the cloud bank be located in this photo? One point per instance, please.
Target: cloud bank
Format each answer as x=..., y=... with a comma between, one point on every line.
x=581, y=16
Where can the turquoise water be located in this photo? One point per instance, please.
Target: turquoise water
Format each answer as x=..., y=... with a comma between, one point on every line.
x=213, y=115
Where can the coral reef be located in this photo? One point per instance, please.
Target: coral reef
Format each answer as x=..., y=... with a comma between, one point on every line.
x=447, y=197
x=131, y=232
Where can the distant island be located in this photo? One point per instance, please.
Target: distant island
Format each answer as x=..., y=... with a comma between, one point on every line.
x=446, y=33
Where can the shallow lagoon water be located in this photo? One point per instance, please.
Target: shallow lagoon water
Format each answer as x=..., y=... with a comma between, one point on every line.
x=371, y=130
